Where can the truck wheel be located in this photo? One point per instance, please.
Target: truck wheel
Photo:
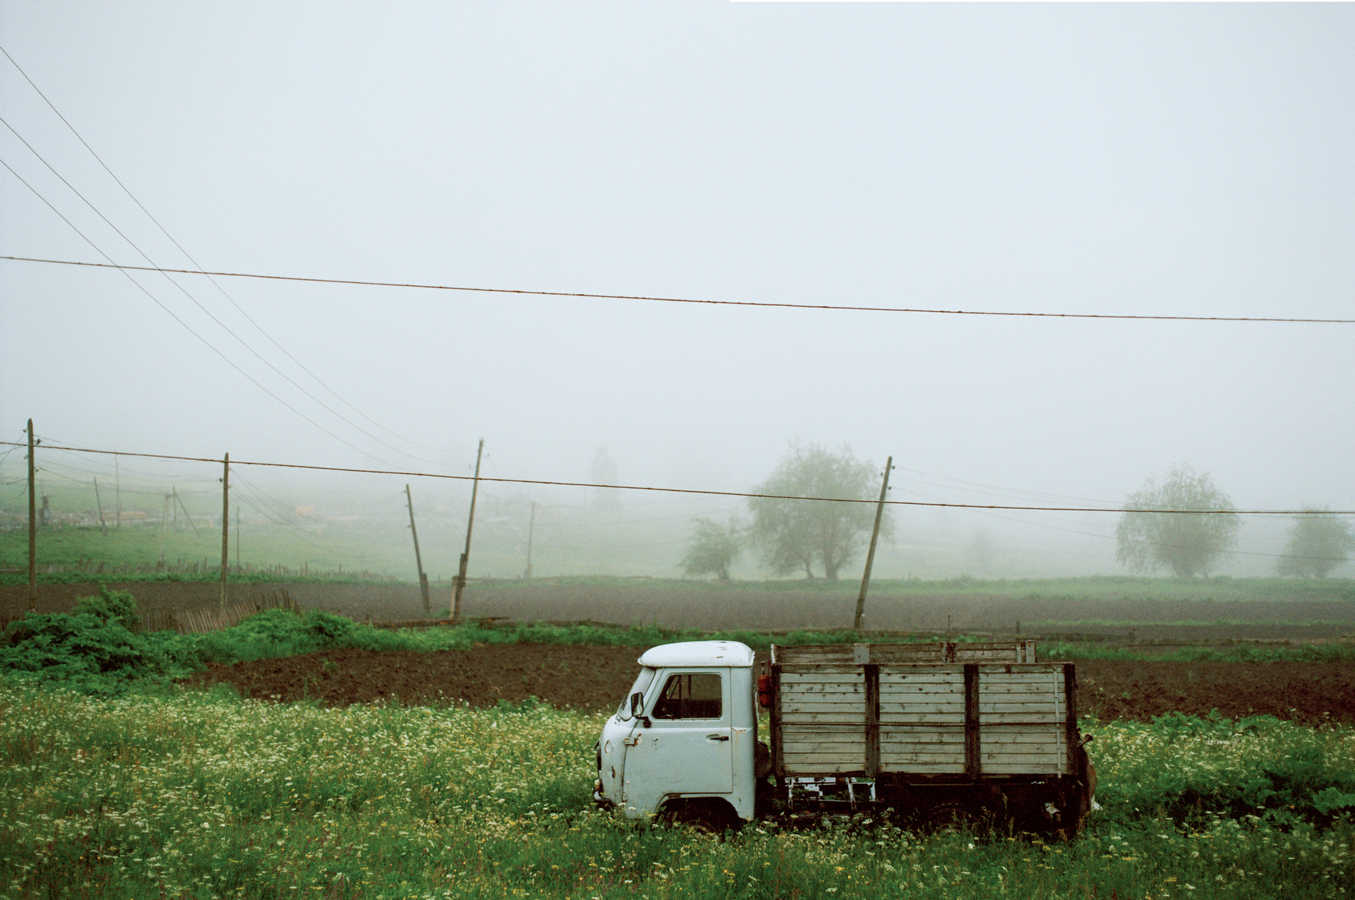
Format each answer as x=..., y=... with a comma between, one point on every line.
x=703, y=814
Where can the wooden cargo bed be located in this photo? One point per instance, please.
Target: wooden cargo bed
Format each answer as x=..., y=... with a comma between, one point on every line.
x=885, y=710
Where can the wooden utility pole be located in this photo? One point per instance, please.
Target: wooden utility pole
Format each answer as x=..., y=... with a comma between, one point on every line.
x=470, y=524
x=32, y=525
x=870, y=554
x=418, y=559
x=531, y=530
x=99, y=501
x=164, y=529
x=117, y=494
x=179, y=500
x=225, y=526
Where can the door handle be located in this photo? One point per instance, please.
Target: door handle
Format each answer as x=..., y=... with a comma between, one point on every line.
x=717, y=737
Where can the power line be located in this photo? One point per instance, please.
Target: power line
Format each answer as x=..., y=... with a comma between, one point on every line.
x=704, y=491
x=260, y=385
x=761, y=304
x=182, y=249
x=189, y=295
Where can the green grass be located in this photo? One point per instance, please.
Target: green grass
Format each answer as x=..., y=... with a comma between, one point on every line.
x=206, y=795
x=134, y=553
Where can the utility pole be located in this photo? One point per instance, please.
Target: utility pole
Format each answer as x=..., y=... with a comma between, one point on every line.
x=470, y=523
x=418, y=560
x=164, y=530
x=531, y=530
x=179, y=500
x=32, y=525
x=99, y=501
x=117, y=495
x=870, y=554
x=225, y=526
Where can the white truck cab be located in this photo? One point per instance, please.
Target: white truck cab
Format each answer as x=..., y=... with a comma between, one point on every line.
x=686, y=732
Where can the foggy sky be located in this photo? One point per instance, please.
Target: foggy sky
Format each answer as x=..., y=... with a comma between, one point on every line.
x=1151, y=159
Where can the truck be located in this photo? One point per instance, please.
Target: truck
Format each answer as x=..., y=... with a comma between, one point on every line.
x=978, y=731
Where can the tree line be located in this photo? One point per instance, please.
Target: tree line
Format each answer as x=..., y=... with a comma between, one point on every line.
x=822, y=536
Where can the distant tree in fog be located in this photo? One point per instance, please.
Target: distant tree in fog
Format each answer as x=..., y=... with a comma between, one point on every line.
x=1186, y=544
x=603, y=471
x=712, y=549
x=1317, y=544
x=798, y=534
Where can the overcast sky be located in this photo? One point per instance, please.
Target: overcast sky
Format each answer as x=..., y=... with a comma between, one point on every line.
x=1148, y=159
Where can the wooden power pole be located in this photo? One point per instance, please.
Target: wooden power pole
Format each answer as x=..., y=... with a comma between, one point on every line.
x=870, y=554
x=103, y=526
x=531, y=532
x=32, y=525
x=177, y=499
x=418, y=559
x=460, y=586
x=225, y=526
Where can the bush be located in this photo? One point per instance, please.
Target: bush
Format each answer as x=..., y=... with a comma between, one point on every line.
x=111, y=606
x=93, y=648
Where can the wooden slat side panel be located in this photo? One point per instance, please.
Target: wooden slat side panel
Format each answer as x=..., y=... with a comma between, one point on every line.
x=922, y=732
x=916, y=768
x=857, y=721
x=913, y=675
x=890, y=654
x=931, y=720
x=834, y=675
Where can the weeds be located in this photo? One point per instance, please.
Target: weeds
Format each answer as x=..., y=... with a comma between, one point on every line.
x=197, y=795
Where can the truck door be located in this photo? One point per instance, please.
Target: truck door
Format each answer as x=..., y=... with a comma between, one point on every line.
x=687, y=746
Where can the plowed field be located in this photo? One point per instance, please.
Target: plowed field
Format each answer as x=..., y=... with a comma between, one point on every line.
x=596, y=678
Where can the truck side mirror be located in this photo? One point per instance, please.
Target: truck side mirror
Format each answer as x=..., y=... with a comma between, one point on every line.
x=637, y=709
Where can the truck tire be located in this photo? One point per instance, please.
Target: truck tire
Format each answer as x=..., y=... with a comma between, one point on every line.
x=707, y=814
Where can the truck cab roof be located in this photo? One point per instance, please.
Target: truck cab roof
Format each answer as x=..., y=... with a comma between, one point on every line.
x=697, y=653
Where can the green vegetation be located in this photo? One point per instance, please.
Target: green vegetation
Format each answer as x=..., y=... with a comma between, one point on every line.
x=133, y=553
x=1317, y=545
x=713, y=548
x=794, y=535
x=1185, y=545
x=96, y=649
x=207, y=795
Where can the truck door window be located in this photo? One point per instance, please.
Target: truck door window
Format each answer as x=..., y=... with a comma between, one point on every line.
x=690, y=695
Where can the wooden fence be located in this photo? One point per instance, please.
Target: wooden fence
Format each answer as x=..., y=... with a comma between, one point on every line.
x=200, y=621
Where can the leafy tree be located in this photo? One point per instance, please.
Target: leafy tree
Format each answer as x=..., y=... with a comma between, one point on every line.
x=1186, y=544
x=603, y=470
x=797, y=534
x=1317, y=544
x=712, y=549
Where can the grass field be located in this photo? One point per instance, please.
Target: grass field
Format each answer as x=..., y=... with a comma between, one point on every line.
x=207, y=795
x=134, y=787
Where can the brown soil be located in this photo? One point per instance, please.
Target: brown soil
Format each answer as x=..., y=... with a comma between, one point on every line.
x=710, y=606
x=595, y=678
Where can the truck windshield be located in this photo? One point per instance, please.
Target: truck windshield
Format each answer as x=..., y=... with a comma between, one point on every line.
x=641, y=684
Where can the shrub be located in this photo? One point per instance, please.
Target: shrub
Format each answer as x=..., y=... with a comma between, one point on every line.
x=92, y=648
